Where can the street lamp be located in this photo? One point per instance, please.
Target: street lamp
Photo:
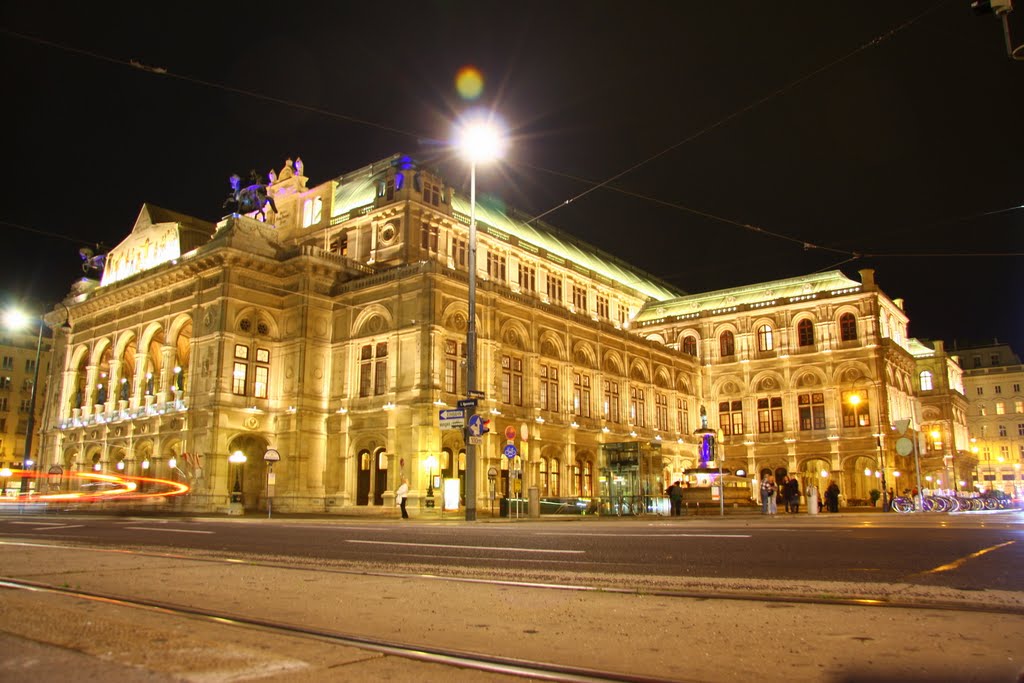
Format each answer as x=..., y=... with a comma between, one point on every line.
x=238, y=460
x=479, y=141
x=16, y=319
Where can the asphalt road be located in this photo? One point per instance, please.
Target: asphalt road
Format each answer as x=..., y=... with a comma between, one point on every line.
x=967, y=552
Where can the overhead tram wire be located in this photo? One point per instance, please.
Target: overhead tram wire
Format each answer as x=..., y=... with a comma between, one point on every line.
x=161, y=71
x=739, y=112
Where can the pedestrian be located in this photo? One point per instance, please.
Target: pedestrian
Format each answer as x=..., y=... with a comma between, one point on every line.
x=832, y=497
x=675, y=496
x=401, y=495
x=793, y=495
x=768, y=495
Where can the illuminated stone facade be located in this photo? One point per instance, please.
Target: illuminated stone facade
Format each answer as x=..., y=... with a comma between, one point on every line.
x=334, y=333
x=17, y=373
x=993, y=377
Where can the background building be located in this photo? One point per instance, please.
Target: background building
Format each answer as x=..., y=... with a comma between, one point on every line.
x=17, y=373
x=332, y=329
x=993, y=376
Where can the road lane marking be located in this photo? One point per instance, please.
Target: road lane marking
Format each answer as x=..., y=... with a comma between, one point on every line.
x=613, y=535
x=470, y=547
x=173, y=531
x=52, y=527
x=41, y=523
x=956, y=564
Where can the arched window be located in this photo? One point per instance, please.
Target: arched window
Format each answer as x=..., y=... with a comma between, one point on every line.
x=727, y=344
x=553, y=478
x=543, y=477
x=847, y=327
x=805, y=332
x=926, y=380
x=765, y=341
x=690, y=345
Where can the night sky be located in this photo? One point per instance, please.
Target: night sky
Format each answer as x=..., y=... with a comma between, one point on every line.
x=734, y=142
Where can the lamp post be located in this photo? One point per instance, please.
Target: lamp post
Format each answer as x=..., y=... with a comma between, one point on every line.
x=238, y=460
x=431, y=461
x=855, y=401
x=479, y=141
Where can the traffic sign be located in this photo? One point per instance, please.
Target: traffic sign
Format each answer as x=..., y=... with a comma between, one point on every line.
x=452, y=418
x=475, y=393
x=476, y=440
x=904, y=446
x=467, y=403
x=272, y=456
x=510, y=451
x=901, y=426
x=510, y=432
x=476, y=427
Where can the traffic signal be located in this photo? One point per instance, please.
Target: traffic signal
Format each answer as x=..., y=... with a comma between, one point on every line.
x=485, y=426
x=991, y=6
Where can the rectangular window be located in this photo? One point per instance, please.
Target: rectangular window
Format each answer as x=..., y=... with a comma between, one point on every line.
x=3, y=404
x=579, y=298
x=1004, y=451
x=548, y=387
x=452, y=365
x=637, y=406
x=5, y=382
x=496, y=266
x=554, y=288
x=812, y=411
x=1000, y=408
x=993, y=359
x=1018, y=406
x=239, y=378
x=512, y=380
x=380, y=379
x=981, y=391
x=30, y=365
x=683, y=415
x=459, y=252
x=602, y=306
x=581, y=394
x=8, y=362
x=23, y=408
x=1016, y=388
x=661, y=412
x=977, y=361
x=769, y=415
x=611, y=401
x=730, y=418
x=428, y=237
x=1020, y=428
x=241, y=351
x=259, y=389
x=365, y=370
x=527, y=278
x=1002, y=430
x=999, y=388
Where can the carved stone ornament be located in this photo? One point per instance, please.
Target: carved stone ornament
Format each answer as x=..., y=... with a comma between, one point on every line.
x=251, y=422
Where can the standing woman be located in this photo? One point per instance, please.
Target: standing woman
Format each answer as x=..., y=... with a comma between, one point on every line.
x=401, y=495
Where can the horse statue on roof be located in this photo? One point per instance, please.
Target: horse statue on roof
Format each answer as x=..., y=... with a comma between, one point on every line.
x=248, y=199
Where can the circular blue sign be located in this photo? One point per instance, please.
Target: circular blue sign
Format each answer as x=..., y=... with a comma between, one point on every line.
x=511, y=451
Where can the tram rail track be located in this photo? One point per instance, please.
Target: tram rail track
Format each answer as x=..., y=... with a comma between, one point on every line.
x=494, y=664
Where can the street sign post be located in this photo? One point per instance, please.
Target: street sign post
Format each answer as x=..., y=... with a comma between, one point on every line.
x=510, y=451
x=467, y=403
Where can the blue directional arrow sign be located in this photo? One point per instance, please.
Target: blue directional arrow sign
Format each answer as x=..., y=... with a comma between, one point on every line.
x=476, y=425
x=452, y=418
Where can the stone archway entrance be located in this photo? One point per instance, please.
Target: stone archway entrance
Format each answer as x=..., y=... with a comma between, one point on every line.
x=247, y=480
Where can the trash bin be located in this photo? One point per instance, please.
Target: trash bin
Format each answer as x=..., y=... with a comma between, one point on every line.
x=812, y=500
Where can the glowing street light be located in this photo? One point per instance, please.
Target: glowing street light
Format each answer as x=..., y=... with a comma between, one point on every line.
x=479, y=141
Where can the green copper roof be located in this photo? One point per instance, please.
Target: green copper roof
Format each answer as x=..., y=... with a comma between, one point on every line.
x=353, y=190
x=780, y=291
x=491, y=212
